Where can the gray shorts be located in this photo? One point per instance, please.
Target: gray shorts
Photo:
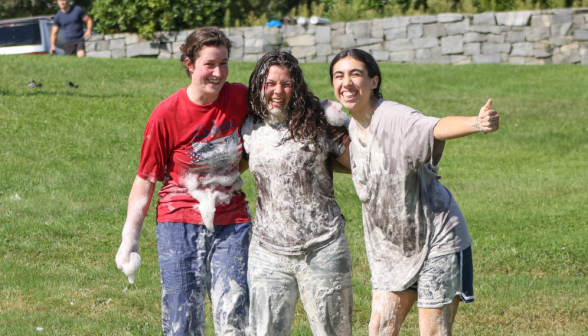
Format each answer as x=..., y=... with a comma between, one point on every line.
x=443, y=278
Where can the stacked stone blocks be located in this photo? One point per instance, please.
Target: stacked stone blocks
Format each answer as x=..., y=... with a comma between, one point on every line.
x=554, y=36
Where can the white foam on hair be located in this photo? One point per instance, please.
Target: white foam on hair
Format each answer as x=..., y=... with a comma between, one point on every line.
x=335, y=116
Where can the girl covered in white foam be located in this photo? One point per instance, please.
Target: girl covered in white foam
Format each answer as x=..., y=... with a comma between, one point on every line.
x=298, y=247
x=417, y=240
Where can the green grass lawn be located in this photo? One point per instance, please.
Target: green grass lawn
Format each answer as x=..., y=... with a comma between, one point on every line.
x=71, y=156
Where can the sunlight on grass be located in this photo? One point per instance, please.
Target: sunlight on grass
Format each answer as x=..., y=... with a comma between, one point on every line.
x=71, y=157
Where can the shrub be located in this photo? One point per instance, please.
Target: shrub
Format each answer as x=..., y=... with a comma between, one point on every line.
x=147, y=16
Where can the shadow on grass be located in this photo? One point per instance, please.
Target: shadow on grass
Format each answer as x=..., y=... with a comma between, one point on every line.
x=70, y=92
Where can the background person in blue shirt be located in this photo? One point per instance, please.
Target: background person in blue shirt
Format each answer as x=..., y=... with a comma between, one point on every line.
x=71, y=19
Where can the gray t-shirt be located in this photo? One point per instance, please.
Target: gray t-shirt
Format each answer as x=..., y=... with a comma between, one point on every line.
x=296, y=211
x=408, y=215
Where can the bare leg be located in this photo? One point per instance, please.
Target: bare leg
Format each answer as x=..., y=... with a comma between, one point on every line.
x=388, y=312
x=81, y=53
x=438, y=321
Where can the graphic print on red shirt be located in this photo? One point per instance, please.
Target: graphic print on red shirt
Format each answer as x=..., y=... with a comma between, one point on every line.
x=195, y=150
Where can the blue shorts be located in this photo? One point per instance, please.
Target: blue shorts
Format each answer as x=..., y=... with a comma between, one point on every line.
x=193, y=262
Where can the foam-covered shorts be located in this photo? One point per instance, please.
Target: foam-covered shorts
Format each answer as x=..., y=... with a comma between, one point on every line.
x=443, y=278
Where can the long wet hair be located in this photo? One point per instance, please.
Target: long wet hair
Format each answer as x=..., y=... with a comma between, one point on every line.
x=369, y=62
x=305, y=116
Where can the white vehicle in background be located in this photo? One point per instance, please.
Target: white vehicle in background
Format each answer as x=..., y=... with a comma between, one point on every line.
x=28, y=36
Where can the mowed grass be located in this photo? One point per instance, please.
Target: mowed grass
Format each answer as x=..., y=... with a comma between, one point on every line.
x=71, y=156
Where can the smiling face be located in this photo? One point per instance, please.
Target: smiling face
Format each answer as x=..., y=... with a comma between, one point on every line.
x=278, y=90
x=353, y=86
x=209, y=74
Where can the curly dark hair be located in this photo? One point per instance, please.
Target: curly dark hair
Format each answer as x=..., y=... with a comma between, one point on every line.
x=305, y=114
x=200, y=38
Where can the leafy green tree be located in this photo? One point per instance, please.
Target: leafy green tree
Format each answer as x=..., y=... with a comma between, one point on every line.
x=148, y=16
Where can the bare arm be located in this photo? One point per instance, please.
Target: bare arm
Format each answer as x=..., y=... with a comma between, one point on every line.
x=449, y=128
x=342, y=164
x=54, y=31
x=139, y=200
x=90, y=24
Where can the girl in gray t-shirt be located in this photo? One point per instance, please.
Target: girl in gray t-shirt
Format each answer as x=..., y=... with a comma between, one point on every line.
x=298, y=247
x=417, y=240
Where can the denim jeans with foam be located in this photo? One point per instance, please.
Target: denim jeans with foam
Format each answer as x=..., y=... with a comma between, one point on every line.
x=193, y=262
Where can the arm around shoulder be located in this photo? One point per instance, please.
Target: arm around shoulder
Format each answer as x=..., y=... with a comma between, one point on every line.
x=342, y=164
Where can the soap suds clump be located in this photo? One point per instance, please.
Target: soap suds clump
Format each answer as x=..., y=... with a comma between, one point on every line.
x=214, y=178
x=211, y=191
x=131, y=267
x=335, y=116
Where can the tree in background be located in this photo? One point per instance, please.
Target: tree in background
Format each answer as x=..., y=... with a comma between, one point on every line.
x=148, y=16
x=22, y=8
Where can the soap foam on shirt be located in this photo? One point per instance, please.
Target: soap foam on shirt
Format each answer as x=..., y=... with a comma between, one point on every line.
x=211, y=191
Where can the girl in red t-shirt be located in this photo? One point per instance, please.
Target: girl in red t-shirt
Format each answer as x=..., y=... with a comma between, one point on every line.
x=192, y=144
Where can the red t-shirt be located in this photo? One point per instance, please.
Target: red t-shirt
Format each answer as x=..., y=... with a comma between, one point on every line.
x=195, y=150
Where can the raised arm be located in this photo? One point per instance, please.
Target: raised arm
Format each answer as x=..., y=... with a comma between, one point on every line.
x=449, y=128
x=139, y=200
x=54, y=31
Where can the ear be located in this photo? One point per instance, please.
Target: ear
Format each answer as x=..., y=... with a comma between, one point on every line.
x=375, y=82
x=189, y=64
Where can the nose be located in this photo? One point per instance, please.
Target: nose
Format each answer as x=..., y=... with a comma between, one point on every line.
x=347, y=81
x=217, y=72
x=278, y=89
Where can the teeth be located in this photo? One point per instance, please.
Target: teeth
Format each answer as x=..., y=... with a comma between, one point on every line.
x=277, y=101
x=214, y=81
x=348, y=94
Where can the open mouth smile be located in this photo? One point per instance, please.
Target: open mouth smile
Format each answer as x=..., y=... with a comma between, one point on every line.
x=277, y=102
x=349, y=95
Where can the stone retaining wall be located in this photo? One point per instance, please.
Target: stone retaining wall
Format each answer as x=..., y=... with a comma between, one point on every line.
x=554, y=36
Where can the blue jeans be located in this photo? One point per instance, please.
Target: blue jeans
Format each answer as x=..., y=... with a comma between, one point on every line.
x=195, y=261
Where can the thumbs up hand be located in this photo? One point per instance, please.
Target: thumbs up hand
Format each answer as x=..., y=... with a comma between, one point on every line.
x=488, y=119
